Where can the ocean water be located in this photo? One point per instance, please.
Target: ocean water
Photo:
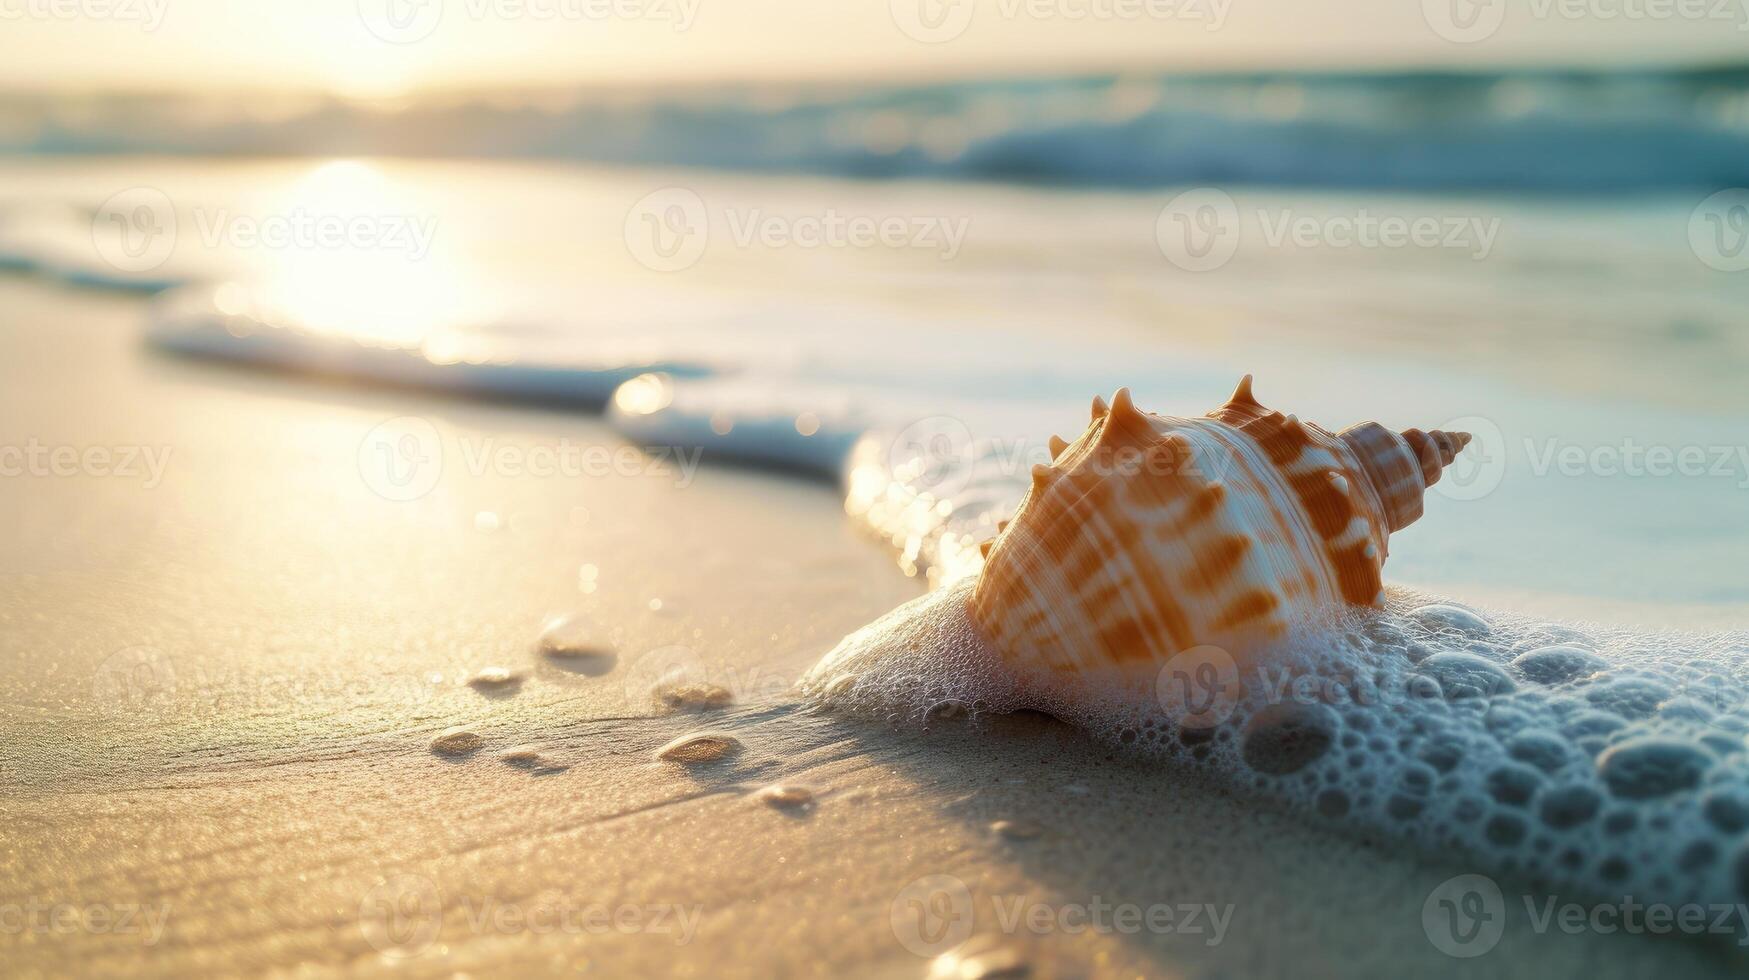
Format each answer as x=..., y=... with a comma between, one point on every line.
x=1581, y=574
x=1561, y=131
x=1593, y=346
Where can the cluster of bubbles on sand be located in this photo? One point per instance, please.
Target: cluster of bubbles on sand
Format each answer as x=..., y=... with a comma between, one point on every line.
x=1607, y=760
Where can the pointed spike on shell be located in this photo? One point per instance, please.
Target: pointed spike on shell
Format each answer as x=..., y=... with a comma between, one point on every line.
x=1057, y=446
x=1041, y=475
x=985, y=546
x=1121, y=405
x=1242, y=395
x=1099, y=408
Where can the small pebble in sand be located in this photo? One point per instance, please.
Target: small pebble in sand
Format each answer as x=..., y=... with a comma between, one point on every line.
x=456, y=741
x=568, y=637
x=493, y=678
x=683, y=695
x=521, y=755
x=787, y=796
x=699, y=747
x=1017, y=829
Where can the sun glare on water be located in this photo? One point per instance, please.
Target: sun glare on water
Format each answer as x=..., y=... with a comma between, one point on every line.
x=368, y=259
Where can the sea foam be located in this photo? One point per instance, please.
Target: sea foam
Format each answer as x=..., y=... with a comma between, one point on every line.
x=1609, y=760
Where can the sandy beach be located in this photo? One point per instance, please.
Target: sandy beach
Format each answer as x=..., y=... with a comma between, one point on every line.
x=223, y=681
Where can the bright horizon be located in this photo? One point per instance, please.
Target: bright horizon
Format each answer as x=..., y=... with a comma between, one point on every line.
x=383, y=48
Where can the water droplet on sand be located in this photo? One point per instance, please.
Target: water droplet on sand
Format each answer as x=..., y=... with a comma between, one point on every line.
x=456, y=742
x=699, y=747
x=487, y=521
x=681, y=694
x=1017, y=829
x=787, y=796
x=493, y=678
x=568, y=637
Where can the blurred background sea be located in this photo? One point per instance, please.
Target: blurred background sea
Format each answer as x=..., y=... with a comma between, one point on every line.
x=1551, y=131
x=1579, y=288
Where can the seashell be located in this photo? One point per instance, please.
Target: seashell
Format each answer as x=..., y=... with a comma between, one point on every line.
x=1149, y=535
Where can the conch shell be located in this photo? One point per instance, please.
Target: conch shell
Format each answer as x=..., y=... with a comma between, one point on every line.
x=1150, y=535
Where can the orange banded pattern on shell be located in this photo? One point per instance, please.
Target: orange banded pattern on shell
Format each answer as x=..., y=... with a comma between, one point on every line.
x=1149, y=535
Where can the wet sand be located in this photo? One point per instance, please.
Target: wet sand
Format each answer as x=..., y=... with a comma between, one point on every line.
x=221, y=690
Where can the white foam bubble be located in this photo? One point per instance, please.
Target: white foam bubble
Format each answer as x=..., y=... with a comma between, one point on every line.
x=1617, y=766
